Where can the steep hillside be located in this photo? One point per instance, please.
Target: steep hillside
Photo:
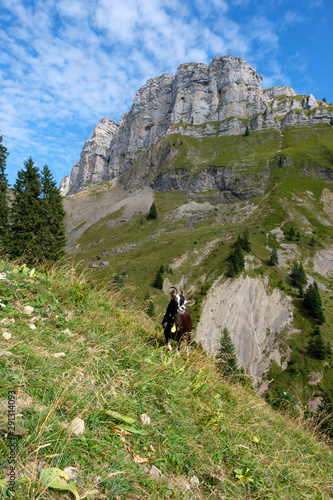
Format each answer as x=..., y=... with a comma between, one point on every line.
x=209, y=191
x=97, y=397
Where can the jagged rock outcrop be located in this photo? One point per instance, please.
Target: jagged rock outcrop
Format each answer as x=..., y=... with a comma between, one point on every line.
x=64, y=185
x=199, y=101
x=253, y=317
x=93, y=166
x=224, y=180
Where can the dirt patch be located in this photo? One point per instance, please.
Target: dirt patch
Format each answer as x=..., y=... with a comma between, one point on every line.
x=194, y=209
x=208, y=248
x=85, y=208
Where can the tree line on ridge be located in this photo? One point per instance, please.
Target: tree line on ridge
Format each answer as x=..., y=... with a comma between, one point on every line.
x=32, y=217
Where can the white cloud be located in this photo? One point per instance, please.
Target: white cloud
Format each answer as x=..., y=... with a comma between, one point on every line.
x=292, y=17
x=65, y=64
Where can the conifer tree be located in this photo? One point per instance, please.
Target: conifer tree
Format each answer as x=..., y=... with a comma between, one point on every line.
x=25, y=214
x=244, y=241
x=237, y=259
x=317, y=348
x=52, y=236
x=158, y=282
x=226, y=360
x=298, y=276
x=3, y=194
x=247, y=131
x=231, y=270
x=152, y=212
x=312, y=302
x=273, y=259
x=246, y=245
x=291, y=234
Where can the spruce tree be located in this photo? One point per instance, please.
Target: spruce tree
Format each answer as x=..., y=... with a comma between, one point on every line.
x=152, y=212
x=158, y=282
x=25, y=214
x=231, y=270
x=317, y=348
x=3, y=194
x=273, y=259
x=52, y=236
x=247, y=131
x=237, y=258
x=312, y=302
x=244, y=241
x=226, y=360
x=298, y=276
x=291, y=234
x=246, y=245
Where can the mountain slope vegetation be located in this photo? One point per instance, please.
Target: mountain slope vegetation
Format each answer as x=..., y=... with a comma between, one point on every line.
x=290, y=193
x=156, y=425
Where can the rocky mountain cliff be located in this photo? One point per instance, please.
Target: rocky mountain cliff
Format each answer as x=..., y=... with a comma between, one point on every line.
x=199, y=101
x=183, y=145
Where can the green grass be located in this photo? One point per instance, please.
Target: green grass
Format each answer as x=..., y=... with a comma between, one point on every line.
x=201, y=426
x=249, y=154
x=198, y=248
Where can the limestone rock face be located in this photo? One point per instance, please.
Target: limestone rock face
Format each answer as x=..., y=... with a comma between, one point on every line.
x=222, y=179
x=229, y=87
x=93, y=166
x=199, y=101
x=64, y=185
x=252, y=315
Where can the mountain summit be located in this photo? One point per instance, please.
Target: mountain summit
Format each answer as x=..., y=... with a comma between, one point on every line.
x=200, y=101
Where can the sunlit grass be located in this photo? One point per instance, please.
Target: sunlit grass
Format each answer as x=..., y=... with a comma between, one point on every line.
x=204, y=431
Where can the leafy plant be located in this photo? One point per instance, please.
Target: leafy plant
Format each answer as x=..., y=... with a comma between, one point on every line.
x=52, y=477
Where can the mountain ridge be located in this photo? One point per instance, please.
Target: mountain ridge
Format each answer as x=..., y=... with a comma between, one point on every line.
x=221, y=99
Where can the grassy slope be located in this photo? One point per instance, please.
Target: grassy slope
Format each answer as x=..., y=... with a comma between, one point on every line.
x=201, y=425
x=251, y=153
x=293, y=199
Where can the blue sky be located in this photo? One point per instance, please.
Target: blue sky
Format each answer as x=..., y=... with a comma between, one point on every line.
x=65, y=64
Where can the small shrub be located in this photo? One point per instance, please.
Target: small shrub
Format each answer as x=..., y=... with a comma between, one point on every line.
x=282, y=400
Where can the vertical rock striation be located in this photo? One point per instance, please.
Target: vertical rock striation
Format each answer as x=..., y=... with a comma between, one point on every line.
x=253, y=318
